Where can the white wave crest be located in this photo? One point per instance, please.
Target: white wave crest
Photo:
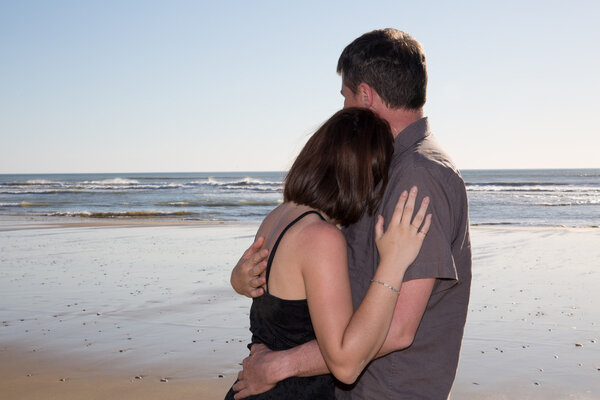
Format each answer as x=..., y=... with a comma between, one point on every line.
x=42, y=182
x=113, y=181
x=247, y=181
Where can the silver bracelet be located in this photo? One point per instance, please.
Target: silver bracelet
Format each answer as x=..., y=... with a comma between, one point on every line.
x=386, y=285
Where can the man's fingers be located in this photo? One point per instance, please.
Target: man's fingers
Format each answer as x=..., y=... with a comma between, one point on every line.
x=256, y=292
x=257, y=348
x=241, y=394
x=257, y=281
x=254, y=248
x=257, y=260
x=240, y=384
x=258, y=269
x=259, y=256
x=258, y=242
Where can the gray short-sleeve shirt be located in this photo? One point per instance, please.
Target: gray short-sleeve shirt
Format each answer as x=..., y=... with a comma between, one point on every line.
x=426, y=369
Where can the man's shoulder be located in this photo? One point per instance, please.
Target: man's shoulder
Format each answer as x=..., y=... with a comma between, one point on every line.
x=425, y=156
x=425, y=165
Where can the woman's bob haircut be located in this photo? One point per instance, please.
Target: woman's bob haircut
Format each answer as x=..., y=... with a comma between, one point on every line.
x=343, y=168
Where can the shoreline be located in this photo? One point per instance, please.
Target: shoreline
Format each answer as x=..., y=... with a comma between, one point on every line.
x=19, y=222
x=99, y=304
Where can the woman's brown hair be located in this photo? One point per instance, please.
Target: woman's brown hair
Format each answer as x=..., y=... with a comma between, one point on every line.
x=343, y=168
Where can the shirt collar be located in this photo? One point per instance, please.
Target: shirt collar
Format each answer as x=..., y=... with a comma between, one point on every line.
x=410, y=135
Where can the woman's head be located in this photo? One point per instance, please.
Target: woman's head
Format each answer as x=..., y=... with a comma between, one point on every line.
x=341, y=165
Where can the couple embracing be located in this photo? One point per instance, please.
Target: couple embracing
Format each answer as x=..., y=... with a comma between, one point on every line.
x=376, y=309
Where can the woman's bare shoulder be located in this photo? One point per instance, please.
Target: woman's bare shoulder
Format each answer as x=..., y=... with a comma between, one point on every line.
x=309, y=237
x=320, y=236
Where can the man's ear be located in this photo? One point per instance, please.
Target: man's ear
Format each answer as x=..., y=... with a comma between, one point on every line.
x=365, y=95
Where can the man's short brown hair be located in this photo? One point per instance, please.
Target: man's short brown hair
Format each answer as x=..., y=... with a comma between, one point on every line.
x=343, y=168
x=390, y=61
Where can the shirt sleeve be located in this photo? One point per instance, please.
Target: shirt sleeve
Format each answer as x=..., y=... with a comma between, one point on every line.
x=435, y=259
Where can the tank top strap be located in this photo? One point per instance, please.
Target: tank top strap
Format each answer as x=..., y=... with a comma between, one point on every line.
x=274, y=249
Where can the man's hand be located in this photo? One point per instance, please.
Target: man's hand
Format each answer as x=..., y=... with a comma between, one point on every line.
x=249, y=273
x=259, y=373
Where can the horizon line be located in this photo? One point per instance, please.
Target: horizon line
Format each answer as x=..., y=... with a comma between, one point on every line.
x=271, y=171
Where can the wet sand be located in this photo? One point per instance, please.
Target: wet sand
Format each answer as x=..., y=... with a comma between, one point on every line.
x=143, y=309
x=533, y=328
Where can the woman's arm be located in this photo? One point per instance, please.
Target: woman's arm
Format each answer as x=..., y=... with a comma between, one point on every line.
x=263, y=368
x=410, y=308
x=349, y=341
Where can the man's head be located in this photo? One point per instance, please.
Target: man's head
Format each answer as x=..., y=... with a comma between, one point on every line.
x=390, y=62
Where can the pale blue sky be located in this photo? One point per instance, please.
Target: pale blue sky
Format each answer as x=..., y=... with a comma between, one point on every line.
x=152, y=86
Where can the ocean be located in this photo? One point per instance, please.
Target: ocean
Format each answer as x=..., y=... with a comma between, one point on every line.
x=548, y=197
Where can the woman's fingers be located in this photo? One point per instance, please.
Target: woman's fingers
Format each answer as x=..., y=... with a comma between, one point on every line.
x=403, y=214
x=399, y=209
x=409, y=207
x=420, y=216
x=426, y=225
x=379, y=228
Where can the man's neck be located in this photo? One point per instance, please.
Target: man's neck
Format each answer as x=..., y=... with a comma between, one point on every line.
x=399, y=119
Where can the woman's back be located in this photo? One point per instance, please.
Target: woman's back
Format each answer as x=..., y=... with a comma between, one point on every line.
x=297, y=246
x=283, y=323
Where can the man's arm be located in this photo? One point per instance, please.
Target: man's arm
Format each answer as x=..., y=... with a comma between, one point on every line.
x=264, y=368
x=248, y=276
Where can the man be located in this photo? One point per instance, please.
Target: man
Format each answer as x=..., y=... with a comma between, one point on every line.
x=385, y=71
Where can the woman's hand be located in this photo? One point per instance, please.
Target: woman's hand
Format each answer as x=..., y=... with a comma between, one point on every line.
x=401, y=243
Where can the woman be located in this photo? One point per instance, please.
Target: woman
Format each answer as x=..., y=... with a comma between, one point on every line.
x=340, y=174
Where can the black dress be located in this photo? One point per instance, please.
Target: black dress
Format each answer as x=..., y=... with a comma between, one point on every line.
x=281, y=324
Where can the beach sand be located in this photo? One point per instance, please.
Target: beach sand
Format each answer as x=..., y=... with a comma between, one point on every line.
x=143, y=309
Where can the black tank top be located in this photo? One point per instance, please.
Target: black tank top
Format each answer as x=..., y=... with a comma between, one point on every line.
x=281, y=324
